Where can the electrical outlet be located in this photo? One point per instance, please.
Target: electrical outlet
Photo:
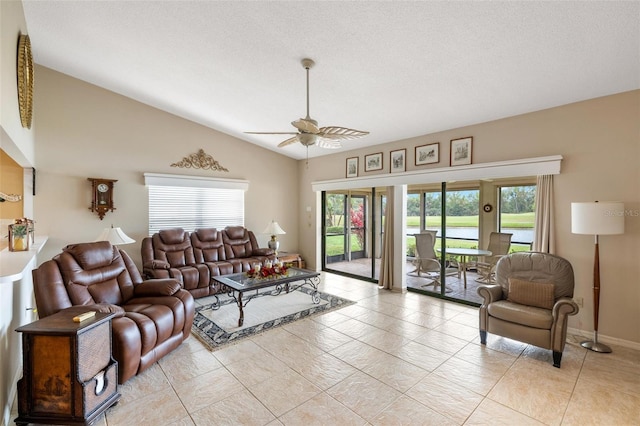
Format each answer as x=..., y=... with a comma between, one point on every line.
x=579, y=301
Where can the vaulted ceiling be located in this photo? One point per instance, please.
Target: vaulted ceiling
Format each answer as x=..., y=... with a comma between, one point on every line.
x=395, y=69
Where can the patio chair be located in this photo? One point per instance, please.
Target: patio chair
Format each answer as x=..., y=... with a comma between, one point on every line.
x=427, y=261
x=499, y=245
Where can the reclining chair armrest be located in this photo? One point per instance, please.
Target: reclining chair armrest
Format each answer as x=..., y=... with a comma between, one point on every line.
x=564, y=307
x=490, y=293
x=97, y=307
x=263, y=252
x=156, y=264
x=157, y=287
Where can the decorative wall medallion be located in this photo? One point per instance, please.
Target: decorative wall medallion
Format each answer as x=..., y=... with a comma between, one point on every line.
x=200, y=160
x=25, y=80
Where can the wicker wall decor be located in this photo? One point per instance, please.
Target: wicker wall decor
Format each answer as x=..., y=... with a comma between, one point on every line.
x=14, y=198
x=200, y=160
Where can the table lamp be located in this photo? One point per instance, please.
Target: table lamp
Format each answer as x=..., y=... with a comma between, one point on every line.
x=115, y=236
x=597, y=218
x=274, y=229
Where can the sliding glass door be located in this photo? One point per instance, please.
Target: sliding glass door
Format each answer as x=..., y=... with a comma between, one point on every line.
x=352, y=232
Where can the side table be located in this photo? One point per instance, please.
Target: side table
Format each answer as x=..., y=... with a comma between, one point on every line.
x=291, y=259
x=69, y=375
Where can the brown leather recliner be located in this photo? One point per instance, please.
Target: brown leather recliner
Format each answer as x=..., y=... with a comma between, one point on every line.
x=169, y=254
x=242, y=250
x=153, y=317
x=530, y=302
x=208, y=249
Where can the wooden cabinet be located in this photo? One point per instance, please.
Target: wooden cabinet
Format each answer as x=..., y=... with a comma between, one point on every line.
x=69, y=375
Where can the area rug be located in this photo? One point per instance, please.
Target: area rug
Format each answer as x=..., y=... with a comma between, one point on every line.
x=219, y=327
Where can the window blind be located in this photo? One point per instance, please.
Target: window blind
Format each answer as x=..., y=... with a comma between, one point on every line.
x=193, y=203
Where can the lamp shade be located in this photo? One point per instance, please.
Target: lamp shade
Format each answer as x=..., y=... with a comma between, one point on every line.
x=597, y=218
x=115, y=236
x=273, y=229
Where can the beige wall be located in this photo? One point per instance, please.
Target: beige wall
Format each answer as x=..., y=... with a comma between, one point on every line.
x=15, y=140
x=84, y=131
x=600, y=142
x=11, y=182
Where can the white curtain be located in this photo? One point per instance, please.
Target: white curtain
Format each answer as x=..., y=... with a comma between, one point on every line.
x=544, y=238
x=386, y=262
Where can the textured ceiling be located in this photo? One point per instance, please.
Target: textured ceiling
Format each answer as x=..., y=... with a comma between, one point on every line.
x=395, y=69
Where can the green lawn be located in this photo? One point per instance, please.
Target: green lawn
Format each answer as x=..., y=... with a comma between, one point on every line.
x=521, y=220
x=335, y=245
x=509, y=220
x=411, y=245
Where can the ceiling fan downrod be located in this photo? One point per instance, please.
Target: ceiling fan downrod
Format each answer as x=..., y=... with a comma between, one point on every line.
x=308, y=64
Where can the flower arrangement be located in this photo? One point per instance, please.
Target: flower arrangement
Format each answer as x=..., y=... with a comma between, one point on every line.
x=265, y=272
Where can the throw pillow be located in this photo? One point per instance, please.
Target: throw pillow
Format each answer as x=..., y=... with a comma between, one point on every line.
x=530, y=293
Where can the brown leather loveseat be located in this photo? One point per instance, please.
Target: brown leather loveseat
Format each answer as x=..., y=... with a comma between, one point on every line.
x=153, y=317
x=193, y=258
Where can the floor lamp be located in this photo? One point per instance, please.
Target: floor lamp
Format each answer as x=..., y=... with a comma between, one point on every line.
x=597, y=218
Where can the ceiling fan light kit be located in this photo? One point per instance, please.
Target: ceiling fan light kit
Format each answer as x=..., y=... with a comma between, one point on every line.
x=309, y=133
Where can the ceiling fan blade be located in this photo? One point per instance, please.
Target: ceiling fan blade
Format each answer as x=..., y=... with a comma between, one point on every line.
x=305, y=125
x=340, y=133
x=328, y=144
x=288, y=142
x=271, y=133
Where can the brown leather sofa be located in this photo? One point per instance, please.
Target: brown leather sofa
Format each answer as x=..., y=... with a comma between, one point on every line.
x=153, y=317
x=193, y=259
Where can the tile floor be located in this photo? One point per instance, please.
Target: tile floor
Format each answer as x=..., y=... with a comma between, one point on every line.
x=390, y=359
x=455, y=285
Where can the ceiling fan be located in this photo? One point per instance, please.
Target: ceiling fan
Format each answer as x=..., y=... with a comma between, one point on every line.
x=309, y=133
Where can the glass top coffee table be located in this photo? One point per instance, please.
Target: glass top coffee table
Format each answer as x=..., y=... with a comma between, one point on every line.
x=240, y=283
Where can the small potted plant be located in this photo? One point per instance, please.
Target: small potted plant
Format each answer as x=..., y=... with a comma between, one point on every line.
x=18, y=240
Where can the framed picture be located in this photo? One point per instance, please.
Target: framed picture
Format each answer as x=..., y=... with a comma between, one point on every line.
x=427, y=154
x=461, y=150
x=352, y=167
x=373, y=162
x=398, y=160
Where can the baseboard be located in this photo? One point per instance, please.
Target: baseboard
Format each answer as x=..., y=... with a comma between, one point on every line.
x=604, y=339
x=6, y=414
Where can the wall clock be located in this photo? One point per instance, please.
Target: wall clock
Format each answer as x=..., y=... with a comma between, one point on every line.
x=487, y=207
x=25, y=80
x=101, y=196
